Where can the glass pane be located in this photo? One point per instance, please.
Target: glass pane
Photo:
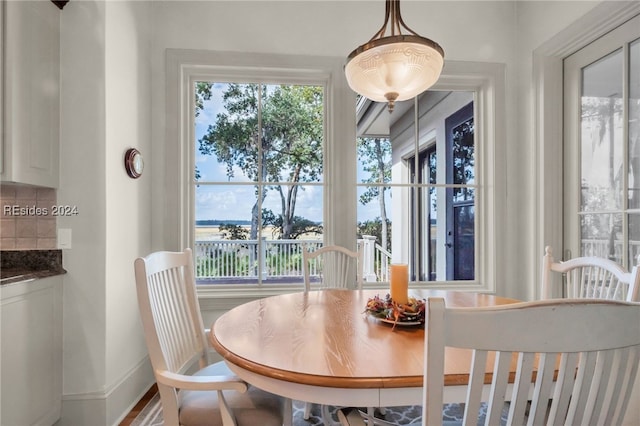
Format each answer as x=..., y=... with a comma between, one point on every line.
x=286, y=233
x=226, y=132
x=429, y=235
x=634, y=126
x=601, y=134
x=293, y=133
x=227, y=247
x=374, y=233
x=225, y=203
x=634, y=239
x=374, y=160
x=224, y=248
x=464, y=222
x=284, y=222
x=463, y=159
x=374, y=206
x=602, y=236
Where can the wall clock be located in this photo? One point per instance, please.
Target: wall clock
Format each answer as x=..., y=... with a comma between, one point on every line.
x=133, y=163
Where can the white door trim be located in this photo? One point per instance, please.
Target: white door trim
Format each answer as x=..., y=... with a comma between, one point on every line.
x=548, y=112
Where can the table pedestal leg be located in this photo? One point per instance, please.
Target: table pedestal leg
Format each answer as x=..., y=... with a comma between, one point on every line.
x=287, y=412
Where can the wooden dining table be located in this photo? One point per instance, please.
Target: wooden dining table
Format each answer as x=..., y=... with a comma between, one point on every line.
x=322, y=347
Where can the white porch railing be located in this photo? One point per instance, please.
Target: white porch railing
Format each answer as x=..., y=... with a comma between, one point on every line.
x=279, y=259
x=226, y=260
x=601, y=248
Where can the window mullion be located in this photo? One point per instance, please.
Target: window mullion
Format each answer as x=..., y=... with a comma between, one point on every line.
x=415, y=271
x=259, y=185
x=625, y=153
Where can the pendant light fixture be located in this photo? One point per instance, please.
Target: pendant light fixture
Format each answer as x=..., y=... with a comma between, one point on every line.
x=395, y=67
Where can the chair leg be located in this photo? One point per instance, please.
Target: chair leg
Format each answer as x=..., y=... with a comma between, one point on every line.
x=373, y=421
x=326, y=416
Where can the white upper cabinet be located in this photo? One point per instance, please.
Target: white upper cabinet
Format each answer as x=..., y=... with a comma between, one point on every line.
x=30, y=95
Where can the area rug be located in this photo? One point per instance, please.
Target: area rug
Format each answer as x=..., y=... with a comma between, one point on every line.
x=151, y=415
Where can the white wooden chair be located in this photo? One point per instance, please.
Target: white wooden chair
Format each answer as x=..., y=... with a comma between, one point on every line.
x=336, y=266
x=589, y=277
x=176, y=340
x=593, y=345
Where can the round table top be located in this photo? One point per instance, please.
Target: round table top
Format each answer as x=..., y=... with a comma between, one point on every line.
x=324, y=338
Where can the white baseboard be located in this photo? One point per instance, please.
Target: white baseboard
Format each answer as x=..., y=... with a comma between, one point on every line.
x=110, y=407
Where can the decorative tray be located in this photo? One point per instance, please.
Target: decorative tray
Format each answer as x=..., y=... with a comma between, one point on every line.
x=388, y=311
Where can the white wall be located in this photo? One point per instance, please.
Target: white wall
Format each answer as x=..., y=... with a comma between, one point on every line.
x=83, y=184
x=537, y=22
x=105, y=100
x=128, y=230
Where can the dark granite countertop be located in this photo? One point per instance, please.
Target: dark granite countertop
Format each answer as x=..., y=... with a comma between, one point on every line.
x=22, y=265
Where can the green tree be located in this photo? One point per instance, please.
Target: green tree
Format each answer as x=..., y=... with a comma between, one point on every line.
x=602, y=113
x=375, y=156
x=299, y=225
x=231, y=231
x=287, y=148
x=203, y=93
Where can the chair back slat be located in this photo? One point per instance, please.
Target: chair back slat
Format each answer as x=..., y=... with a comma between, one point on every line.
x=521, y=385
x=179, y=341
x=565, y=381
x=568, y=379
x=334, y=267
x=166, y=290
x=501, y=368
x=475, y=387
x=589, y=278
x=627, y=372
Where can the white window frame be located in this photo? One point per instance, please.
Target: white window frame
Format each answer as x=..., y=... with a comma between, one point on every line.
x=430, y=132
x=183, y=67
x=487, y=81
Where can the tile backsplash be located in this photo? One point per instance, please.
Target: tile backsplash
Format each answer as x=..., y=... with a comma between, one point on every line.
x=26, y=222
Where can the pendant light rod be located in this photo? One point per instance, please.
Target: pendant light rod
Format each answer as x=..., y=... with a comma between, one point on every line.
x=392, y=10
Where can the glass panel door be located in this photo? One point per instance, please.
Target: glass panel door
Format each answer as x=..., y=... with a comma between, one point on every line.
x=461, y=197
x=602, y=151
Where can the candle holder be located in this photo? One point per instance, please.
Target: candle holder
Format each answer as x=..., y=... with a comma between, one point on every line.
x=399, y=283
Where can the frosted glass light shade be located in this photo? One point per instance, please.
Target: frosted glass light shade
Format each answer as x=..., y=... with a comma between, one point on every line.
x=394, y=68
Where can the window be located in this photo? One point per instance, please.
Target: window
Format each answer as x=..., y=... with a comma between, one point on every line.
x=430, y=196
x=258, y=180
x=199, y=168
x=219, y=105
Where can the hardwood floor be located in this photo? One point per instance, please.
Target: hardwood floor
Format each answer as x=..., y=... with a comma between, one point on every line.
x=139, y=406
